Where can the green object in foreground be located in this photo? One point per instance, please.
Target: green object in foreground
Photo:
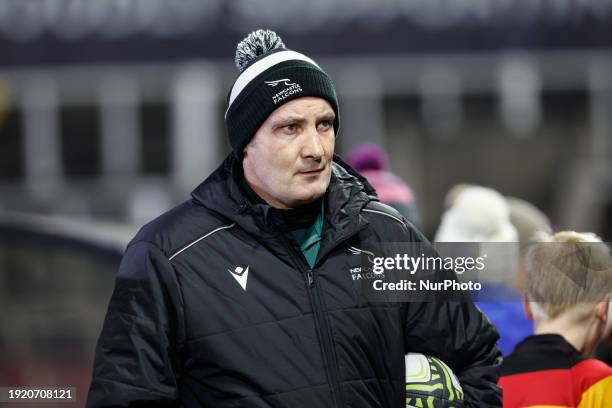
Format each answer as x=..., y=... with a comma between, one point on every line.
x=430, y=383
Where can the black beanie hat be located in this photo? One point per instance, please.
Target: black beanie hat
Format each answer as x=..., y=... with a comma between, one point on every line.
x=271, y=75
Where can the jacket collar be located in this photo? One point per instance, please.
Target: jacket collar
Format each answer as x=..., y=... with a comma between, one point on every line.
x=347, y=194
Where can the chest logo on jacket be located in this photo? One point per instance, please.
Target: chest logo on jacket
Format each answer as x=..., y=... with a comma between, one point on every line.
x=363, y=271
x=241, y=274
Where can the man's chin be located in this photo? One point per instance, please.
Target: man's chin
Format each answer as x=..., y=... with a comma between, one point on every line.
x=309, y=197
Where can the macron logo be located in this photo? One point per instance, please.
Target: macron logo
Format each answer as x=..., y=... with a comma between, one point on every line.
x=241, y=275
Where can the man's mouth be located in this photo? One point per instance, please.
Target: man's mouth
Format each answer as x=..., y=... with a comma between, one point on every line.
x=312, y=172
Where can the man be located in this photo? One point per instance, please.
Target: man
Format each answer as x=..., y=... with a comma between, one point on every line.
x=569, y=286
x=242, y=296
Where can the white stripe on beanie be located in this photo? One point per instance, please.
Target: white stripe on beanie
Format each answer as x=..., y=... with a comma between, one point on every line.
x=260, y=66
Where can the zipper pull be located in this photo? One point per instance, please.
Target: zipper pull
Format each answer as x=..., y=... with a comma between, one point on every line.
x=310, y=278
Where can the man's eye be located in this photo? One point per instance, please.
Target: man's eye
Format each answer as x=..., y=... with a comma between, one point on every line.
x=289, y=128
x=325, y=124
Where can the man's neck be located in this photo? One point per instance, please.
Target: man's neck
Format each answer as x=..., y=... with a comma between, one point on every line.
x=303, y=216
x=246, y=189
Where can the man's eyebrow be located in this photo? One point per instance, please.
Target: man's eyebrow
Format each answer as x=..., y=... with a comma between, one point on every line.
x=290, y=118
x=299, y=118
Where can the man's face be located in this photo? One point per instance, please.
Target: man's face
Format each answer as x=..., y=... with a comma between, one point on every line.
x=288, y=161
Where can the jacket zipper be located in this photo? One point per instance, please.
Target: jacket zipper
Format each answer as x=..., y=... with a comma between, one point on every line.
x=327, y=345
x=316, y=296
x=329, y=353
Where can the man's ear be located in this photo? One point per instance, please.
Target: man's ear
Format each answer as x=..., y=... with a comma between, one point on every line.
x=527, y=308
x=607, y=336
x=601, y=310
x=246, y=147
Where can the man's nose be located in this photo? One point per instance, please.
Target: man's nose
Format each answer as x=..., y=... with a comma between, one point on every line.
x=312, y=144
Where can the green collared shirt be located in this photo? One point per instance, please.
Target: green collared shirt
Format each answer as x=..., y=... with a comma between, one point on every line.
x=309, y=239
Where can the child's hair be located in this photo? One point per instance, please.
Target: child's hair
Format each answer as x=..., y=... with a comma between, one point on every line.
x=567, y=269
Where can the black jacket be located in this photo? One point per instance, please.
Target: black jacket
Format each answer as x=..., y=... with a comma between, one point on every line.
x=181, y=330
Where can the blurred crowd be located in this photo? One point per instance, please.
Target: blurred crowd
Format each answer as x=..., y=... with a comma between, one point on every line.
x=547, y=293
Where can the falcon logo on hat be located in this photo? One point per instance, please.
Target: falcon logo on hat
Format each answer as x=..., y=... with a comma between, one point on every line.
x=285, y=81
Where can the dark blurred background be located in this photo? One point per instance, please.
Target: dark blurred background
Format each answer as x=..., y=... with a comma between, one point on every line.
x=111, y=111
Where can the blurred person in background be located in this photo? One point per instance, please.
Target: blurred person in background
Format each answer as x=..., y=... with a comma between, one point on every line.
x=242, y=296
x=527, y=219
x=373, y=163
x=568, y=298
x=477, y=214
x=529, y=222
x=454, y=192
x=481, y=215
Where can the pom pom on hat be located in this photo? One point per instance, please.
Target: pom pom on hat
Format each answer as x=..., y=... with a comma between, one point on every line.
x=257, y=43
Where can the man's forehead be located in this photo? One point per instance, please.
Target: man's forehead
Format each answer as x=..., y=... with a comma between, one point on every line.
x=301, y=107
